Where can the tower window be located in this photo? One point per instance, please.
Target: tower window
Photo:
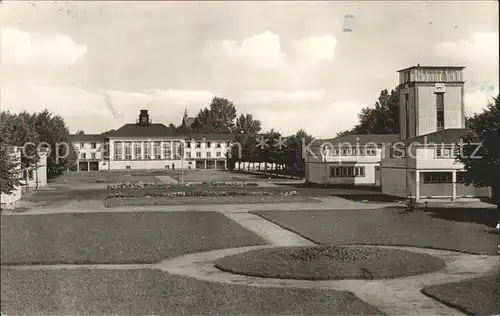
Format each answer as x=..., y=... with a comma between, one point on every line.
x=440, y=111
x=407, y=113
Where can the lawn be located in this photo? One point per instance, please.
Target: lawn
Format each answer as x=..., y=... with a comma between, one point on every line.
x=480, y=296
x=116, y=237
x=152, y=292
x=386, y=227
x=330, y=263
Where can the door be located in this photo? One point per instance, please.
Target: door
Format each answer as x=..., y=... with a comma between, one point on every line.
x=377, y=176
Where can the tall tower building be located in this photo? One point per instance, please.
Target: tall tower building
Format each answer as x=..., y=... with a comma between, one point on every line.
x=431, y=99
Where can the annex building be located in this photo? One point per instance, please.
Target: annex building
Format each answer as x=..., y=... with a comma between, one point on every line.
x=147, y=145
x=432, y=118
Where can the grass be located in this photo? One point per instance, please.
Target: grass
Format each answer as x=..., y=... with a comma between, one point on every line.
x=205, y=200
x=78, y=238
x=386, y=227
x=152, y=292
x=330, y=263
x=480, y=296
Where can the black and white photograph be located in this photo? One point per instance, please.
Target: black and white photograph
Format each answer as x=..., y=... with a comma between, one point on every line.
x=249, y=158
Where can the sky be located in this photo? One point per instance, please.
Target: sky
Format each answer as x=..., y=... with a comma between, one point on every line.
x=288, y=63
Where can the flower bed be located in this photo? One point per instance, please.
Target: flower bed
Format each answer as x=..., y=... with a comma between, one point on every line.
x=153, y=194
x=141, y=185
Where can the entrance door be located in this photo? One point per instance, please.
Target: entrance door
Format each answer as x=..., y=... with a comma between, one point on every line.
x=377, y=176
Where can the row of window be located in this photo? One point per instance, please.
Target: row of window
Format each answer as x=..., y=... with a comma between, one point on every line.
x=207, y=154
x=443, y=152
x=442, y=177
x=142, y=150
x=207, y=145
x=347, y=172
x=352, y=152
x=93, y=145
x=431, y=75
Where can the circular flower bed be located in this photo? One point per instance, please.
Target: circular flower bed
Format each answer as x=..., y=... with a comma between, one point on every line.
x=330, y=263
x=196, y=193
x=140, y=185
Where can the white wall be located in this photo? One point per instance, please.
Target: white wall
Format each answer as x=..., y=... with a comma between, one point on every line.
x=316, y=173
x=426, y=160
x=39, y=174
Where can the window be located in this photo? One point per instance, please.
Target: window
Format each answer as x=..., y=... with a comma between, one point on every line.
x=209, y=154
x=440, y=111
x=377, y=168
x=157, y=150
x=93, y=145
x=92, y=155
x=347, y=172
x=198, y=144
x=127, y=167
x=188, y=144
x=345, y=152
x=167, y=150
x=147, y=150
x=407, y=113
x=228, y=144
x=127, y=147
x=83, y=156
x=188, y=154
x=371, y=152
x=460, y=177
x=118, y=150
x=218, y=154
x=407, y=76
x=209, y=145
x=177, y=150
x=137, y=151
x=437, y=177
x=198, y=154
x=218, y=145
x=82, y=145
x=31, y=174
x=447, y=152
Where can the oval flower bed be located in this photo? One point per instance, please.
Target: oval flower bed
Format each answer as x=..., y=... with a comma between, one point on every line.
x=140, y=185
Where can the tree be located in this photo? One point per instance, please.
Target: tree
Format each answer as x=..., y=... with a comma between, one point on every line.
x=246, y=124
x=381, y=119
x=482, y=164
x=80, y=132
x=218, y=117
x=9, y=176
x=52, y=130
x=19, y=130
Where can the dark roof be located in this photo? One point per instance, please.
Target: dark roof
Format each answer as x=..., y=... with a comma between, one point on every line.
x=149, y=130
x=433, y=67
x=358, y=139
x=214, y=137
x=447, y=136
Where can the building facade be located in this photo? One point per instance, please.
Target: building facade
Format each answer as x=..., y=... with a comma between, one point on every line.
x=432, y=120
x=147, y=145
x=347, y=160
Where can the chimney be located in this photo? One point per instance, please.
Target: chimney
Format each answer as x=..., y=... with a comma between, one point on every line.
x=144, y=118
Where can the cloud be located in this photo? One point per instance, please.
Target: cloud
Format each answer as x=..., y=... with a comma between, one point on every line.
x=21, y=48
x=478, y=48
x=477, y=100
x=270, y=96
x=262, y=51
x=265, y=51
x=315, y=49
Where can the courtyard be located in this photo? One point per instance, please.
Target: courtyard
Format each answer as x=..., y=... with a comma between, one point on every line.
x=335, y=251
